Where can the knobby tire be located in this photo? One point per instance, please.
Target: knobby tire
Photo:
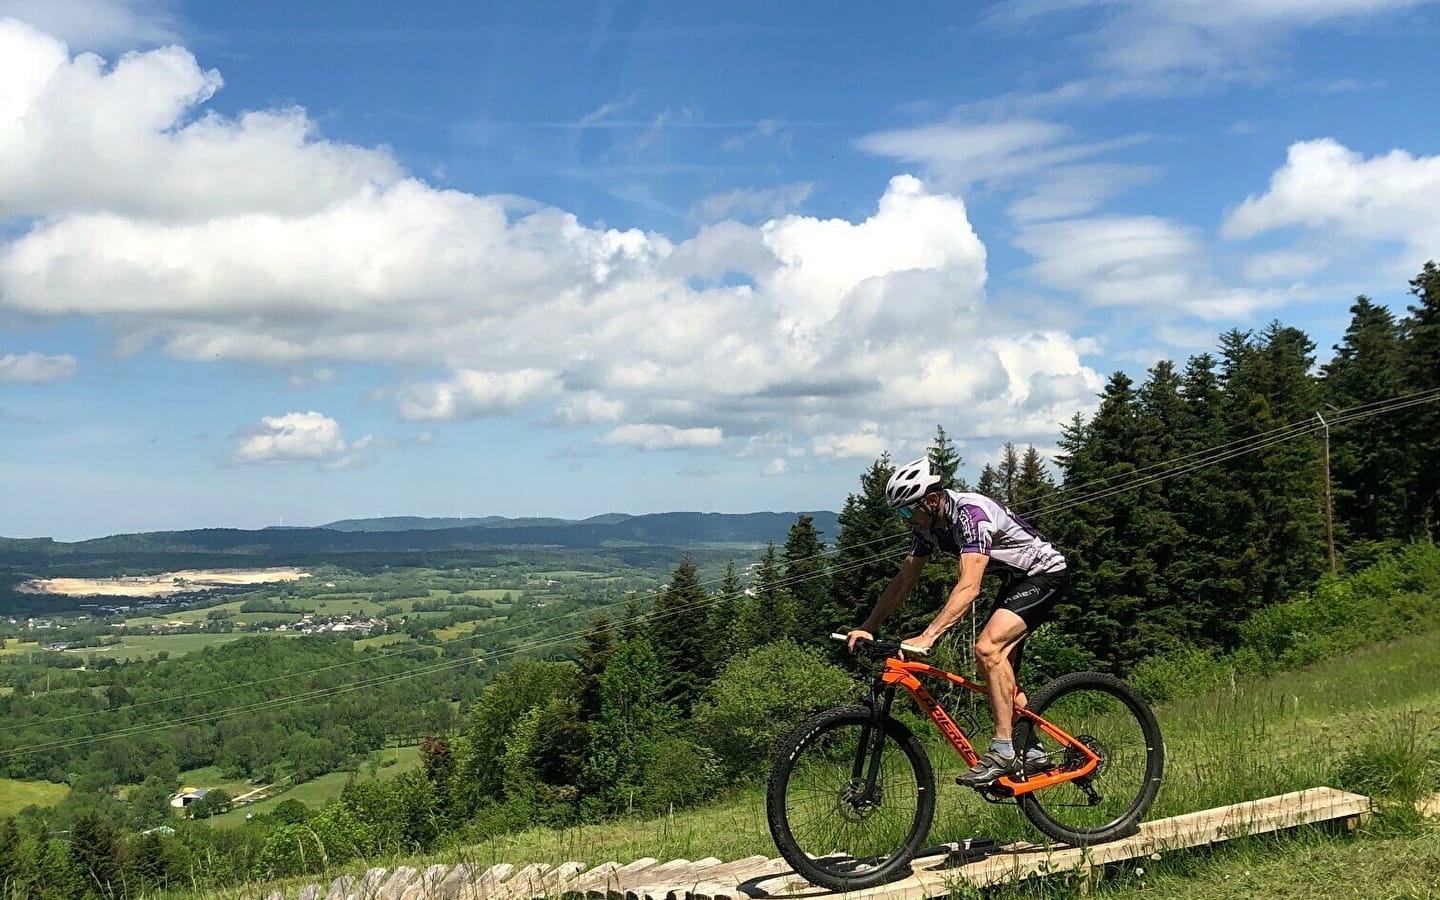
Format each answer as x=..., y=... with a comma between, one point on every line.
x=1124, y=727
x=807, y=786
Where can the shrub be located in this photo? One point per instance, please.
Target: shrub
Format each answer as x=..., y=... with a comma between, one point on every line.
x=1187, y=672
x=760, y=696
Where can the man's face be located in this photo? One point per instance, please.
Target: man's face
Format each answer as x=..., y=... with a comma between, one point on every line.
x=921, y=516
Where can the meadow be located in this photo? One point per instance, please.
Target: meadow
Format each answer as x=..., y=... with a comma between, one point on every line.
x=16, y=795
x=381, y=764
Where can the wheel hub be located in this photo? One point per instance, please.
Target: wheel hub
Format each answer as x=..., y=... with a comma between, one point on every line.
x=1074, y=759
x=857, y=803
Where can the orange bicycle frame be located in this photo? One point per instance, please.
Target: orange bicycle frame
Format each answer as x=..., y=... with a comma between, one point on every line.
x=905, y=673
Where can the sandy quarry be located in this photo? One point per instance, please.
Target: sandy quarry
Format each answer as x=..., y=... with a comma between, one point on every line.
x=159, y=585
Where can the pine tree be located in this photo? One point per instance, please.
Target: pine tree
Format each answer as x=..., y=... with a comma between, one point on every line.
x=592, y=657
x=1009, y=474
x=95, y=855
x=679, y=636
x=945, y=459
x=1034, y=488
x=1368, y=460
x=990, y=483
x=724, y=616
x=1421, y=360
x=807, y=580
x=870, y=545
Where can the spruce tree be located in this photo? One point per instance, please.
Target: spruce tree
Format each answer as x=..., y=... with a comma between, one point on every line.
x=1034, y=488
x=1268, y=388
x=1421, y=354
x=807, y=580
x=592, y=656
x=871, y=543
x=724, y=615
x=678, y=633
x=990, y=484
x=945, y=459
x=95, y=855
x=1097, y=536
x=774, y=609
x=1009, y=474
x=1369, y=462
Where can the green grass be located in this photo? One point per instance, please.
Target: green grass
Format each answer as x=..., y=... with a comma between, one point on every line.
x=14, y=648
x=146, y=646
x=209, y=778
x=319, y=791
x=16, y=795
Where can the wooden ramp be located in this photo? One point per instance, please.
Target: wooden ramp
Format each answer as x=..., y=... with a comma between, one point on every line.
x=759, y=877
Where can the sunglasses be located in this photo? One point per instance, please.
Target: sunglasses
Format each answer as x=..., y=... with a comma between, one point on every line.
x=908, y=512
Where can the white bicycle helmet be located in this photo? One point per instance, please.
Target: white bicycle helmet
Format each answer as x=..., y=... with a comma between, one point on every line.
x=910, y=482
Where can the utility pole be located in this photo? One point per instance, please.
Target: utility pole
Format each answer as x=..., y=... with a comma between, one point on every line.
x=1329, y=524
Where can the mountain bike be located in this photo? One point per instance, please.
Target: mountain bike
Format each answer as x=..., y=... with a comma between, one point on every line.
x=851, y=793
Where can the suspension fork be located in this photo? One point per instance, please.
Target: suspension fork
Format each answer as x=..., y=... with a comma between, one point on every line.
x=872, y=740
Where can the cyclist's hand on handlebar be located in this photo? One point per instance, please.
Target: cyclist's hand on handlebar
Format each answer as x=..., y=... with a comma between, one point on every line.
x=919, y=642
x=856, y=635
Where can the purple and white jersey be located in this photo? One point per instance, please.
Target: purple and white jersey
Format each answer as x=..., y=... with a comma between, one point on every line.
x=979, y=524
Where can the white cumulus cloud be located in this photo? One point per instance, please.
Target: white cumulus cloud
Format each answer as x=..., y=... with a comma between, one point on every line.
x=37, y=368
x=663, y=437
x=1337, y=192
x=298, y=437
x=251, y=238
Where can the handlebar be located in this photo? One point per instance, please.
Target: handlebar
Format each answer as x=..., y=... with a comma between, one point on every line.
x=881, y=649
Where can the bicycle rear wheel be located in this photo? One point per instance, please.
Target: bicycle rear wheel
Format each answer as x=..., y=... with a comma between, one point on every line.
x=1110, y=718
x=838, y=830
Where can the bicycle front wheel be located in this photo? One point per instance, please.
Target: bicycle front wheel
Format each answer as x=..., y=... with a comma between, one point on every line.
x=832, y=822
x=1111, y=718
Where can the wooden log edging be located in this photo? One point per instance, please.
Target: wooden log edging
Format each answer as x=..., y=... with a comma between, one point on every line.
x=759, y=877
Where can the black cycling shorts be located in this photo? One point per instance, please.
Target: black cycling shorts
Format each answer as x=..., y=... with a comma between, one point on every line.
x=1033, y=599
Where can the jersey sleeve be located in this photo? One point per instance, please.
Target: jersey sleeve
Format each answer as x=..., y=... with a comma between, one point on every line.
x=974, y=530
x=920, y=547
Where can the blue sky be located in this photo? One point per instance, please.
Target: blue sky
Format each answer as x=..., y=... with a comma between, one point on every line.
x=274, y=263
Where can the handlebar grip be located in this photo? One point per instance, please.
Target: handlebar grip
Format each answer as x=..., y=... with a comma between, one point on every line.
x=908, y=648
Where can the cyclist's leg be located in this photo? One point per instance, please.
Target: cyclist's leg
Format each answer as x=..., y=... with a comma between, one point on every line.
x=1022, y=606
x=1016, y=652
x=1003, y=632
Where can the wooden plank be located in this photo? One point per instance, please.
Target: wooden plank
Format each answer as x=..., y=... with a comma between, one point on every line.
x=428, y=885
x=369, y=885
x=1192, y=829
x=760, y=877
x=605, y=884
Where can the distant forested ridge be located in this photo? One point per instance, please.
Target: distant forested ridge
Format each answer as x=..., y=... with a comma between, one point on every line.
x=672, y=529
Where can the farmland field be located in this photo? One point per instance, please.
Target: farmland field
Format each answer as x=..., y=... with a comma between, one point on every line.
x=319, y=791
x=147, y=646
x=16, y=795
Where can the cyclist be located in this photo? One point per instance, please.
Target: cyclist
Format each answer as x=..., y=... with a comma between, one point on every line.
x=983, y=535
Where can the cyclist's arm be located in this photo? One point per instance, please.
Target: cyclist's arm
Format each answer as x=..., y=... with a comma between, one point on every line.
x=967, y=587
x=895, y=592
